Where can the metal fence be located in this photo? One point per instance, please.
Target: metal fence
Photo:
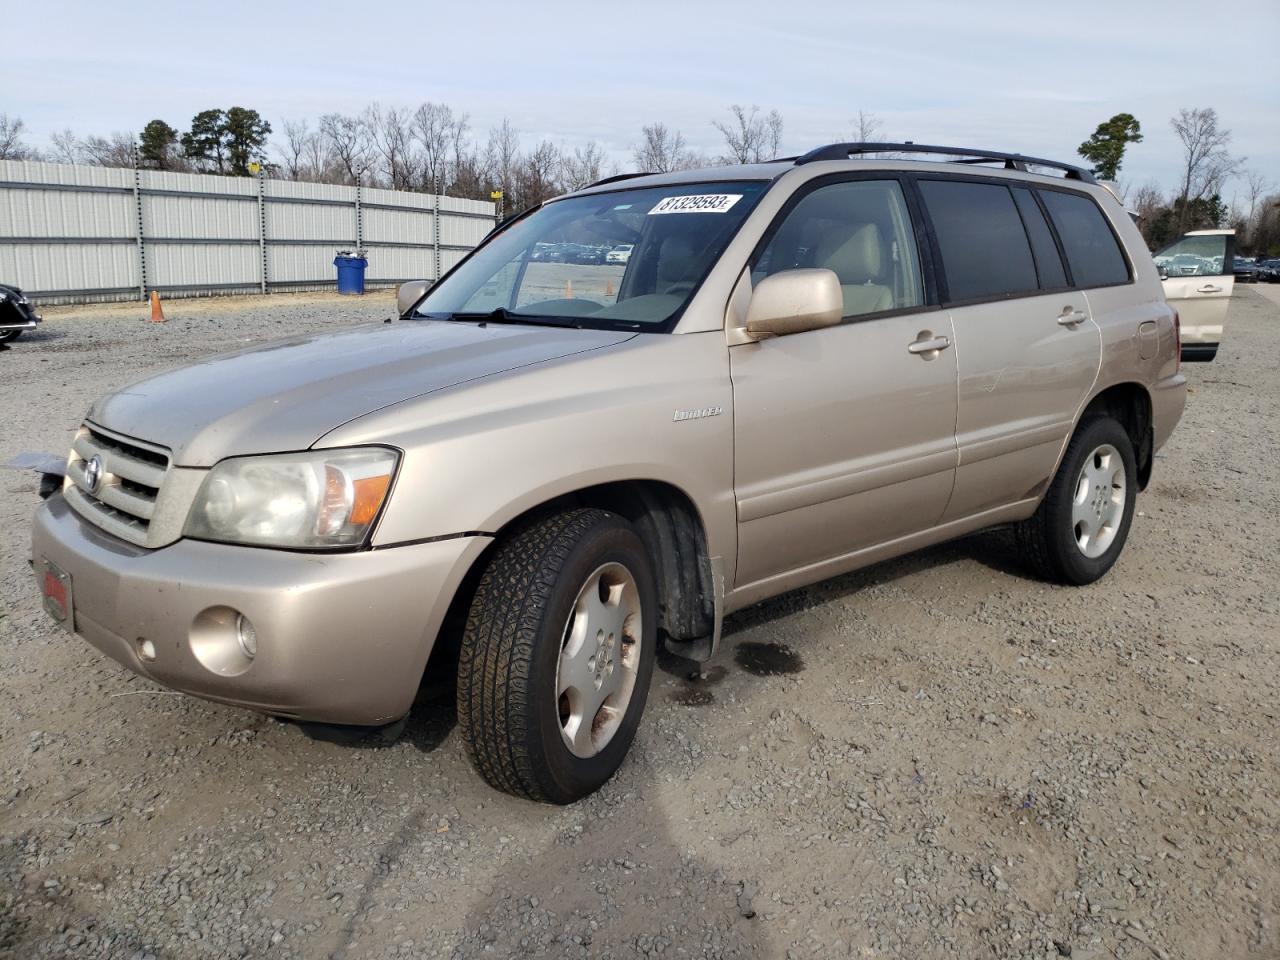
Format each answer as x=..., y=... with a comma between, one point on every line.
x=75, y=234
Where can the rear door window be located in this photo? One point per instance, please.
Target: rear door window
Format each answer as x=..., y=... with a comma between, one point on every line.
x=1048, y=260
x=1092, y=251
x=985, y=251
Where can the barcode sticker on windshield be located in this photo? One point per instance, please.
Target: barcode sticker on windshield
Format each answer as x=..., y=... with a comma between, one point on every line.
x=699, y=203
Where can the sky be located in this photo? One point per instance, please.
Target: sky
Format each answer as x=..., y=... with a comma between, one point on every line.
x=1025, y=77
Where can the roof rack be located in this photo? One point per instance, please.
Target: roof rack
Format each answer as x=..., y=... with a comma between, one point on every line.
x=1011, y=161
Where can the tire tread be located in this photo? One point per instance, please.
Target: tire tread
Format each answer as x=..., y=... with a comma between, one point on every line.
x=499, y=642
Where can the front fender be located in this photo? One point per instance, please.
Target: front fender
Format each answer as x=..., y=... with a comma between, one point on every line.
x=479, y=455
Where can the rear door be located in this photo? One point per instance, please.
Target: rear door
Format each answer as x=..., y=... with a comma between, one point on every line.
x=1198, y=279
x=1028, y=349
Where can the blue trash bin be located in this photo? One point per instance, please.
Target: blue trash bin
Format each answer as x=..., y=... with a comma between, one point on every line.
x=350, y=273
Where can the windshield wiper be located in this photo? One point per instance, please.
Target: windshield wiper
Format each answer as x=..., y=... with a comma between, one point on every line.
x=503, y=315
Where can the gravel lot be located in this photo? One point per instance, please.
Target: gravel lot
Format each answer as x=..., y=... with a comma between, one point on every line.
x=935, y=757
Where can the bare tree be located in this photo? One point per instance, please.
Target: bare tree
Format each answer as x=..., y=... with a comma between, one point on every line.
x=11, y=145
x=502, y=156
x=868, y=128
x=537, y=176
x=392, y=138
x=662, y=150
x=749, y=136
x=347, y=142
x=582, y=167
x=1206, y=160
x=1256, y=187
x=66, y=147
x=469, y=174
x=318, y=163
x=433, y=130
x=116, y=150
x=293, y=152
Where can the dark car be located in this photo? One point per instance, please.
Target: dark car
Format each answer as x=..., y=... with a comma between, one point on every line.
x=580, y=253
x=1246, y=270
x=1269, y=271
x=16, y=314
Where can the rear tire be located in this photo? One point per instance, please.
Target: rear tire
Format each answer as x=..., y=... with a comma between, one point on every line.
x=557, y=654
x=1079, y=529
x=11, y=335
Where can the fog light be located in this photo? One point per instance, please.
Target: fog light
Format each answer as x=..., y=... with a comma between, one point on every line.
x=246, y=636
x=146, y=649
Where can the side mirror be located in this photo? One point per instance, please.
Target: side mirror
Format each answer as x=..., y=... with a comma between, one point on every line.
x=410, y=293
x=794, y=301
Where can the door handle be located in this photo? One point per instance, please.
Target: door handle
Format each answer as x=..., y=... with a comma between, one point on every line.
x=1070, y=317
x=927, y=346
x=1208, y=288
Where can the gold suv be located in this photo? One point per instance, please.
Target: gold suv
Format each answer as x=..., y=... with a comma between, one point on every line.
x=555, y=460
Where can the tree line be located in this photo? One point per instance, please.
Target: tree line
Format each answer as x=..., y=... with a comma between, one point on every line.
x=433, y=148
x=430, y=148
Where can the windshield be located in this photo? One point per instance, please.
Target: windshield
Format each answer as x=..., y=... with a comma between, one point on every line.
x=627, y=259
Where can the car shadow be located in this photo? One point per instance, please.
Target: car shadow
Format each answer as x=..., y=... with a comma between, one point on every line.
x=426, y=728
x=615, y=882
x=41, y=334
x=995, y=549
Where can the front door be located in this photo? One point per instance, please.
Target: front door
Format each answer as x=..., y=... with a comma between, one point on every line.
x=1198, y=277
x=844, y=437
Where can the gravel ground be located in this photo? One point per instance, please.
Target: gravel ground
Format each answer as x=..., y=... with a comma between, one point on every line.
x=935, y=757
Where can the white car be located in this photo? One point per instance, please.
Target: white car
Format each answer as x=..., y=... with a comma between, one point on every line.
x=1197, y=286
x=619, y=254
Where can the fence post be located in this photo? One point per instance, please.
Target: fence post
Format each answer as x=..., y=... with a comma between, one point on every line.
x=435, y=229
x=262, y=224
x=359, y=220
x=137, y=207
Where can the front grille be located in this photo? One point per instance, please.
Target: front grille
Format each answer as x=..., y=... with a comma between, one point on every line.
x=132, y=474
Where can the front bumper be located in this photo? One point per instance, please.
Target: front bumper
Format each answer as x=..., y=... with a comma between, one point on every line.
x=342, y=638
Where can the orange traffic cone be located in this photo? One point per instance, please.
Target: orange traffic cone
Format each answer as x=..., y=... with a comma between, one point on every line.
x=568, y=289
x=608, y=288
x=157, y=312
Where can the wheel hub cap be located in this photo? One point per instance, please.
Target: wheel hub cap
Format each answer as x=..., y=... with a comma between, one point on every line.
x=599, y=656
x=1097, y=510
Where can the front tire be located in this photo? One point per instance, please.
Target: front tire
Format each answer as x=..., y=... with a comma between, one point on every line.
x=1079, y=529
x=557, y=655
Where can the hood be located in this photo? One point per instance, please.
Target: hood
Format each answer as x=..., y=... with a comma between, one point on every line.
x=285, y=395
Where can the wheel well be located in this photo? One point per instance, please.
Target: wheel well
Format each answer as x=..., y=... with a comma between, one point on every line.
x=1130, y=405
x=671, y=528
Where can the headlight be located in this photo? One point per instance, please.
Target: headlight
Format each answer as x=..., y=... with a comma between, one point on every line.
x=317, y=500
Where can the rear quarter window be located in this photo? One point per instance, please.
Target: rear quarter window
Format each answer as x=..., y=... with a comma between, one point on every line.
x=1048, y=260
x=1093, y=253
x=985, y=252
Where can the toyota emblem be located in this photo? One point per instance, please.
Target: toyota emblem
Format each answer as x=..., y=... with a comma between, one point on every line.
x=93, y=474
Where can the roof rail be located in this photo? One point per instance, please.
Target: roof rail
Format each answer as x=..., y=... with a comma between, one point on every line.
x=1012, y=161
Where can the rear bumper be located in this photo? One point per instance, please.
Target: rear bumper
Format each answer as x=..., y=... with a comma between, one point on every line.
x=342, y=638
x=1168, y=400
x=8, y=325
